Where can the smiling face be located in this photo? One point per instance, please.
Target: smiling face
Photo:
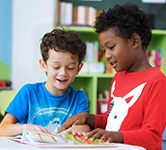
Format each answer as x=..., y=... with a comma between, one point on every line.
x=119, y=52
x=61, y=69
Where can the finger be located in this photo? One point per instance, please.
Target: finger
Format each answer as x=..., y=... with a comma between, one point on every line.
x=97, y=135
x=40, y=128
x=74, y=132
x=109, y=140
x=103, y=138
x=90, y=134
x=66, y=125
x=68, y=131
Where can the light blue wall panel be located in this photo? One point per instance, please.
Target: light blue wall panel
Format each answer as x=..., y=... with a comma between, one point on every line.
x=5, y=38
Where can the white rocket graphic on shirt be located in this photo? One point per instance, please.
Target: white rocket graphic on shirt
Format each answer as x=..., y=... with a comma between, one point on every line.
x=119, y=107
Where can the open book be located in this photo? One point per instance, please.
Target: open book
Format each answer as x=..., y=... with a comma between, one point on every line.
x=58, y=140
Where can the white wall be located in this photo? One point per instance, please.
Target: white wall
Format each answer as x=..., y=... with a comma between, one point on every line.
x=31, y=20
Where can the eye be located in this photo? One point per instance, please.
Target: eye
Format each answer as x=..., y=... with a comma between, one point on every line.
x=111, y=47
x=70, y=68
x=56, y=67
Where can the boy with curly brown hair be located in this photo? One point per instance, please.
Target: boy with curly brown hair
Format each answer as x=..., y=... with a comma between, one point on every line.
x=45, y=106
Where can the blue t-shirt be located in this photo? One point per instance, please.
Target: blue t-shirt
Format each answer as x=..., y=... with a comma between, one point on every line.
x=33, y=104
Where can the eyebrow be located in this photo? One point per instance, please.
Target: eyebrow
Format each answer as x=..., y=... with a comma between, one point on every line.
x=106, y=43
x=109, y=42
x=69, y=62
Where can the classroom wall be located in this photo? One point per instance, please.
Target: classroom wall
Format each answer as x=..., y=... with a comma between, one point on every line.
x=5, y=39
x=31, y=20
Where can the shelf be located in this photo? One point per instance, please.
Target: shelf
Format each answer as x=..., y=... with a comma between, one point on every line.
x=79, y=29
x=88, y=75
x=159, y=32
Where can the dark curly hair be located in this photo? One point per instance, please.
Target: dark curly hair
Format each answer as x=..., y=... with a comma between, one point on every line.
x=127, y=19
x=63, y=41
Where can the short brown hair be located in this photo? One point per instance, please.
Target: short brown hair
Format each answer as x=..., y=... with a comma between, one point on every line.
x=63, y=41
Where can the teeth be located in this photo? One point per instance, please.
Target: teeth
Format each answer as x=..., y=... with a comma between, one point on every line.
x=62, y=80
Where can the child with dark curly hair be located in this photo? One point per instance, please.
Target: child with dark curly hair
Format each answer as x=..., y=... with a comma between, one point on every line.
x=136, y=112
x=45, y=106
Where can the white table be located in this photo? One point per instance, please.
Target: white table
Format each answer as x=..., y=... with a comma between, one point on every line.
x=6, y=144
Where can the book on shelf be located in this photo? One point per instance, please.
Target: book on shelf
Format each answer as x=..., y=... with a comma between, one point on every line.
x=75, y=15
x=91, y=51
x=57, y=140
x=84, y=15
x=155, y=58
x=65, y=13
x=80, y=15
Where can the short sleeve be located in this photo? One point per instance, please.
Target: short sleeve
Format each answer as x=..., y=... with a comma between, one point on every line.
x=19, y=105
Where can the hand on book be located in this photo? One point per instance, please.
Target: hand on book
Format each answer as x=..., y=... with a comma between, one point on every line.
x=57, y=140
x=77, y=129
x=78, y=119
x=35, y=128
x=104, y=136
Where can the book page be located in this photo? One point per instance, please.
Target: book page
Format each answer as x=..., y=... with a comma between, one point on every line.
x=58, y=140
x=41, y=137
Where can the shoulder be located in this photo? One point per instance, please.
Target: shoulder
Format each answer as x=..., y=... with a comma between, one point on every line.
x=30, y=87
x=33, y=85
x=156, y=76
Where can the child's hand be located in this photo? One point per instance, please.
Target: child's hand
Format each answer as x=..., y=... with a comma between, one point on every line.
x=35, y=127
x=78, y=119
x=77, y=129
x=104, y=136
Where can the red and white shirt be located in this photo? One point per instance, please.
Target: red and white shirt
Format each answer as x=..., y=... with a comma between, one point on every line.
x=137, y=108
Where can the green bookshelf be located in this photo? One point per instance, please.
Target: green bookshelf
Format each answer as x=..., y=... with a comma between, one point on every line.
x=90, y=82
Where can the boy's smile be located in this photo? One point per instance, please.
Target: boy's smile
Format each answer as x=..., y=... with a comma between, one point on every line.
x=61, y=69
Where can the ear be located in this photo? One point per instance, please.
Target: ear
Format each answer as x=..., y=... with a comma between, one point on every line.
x=135, y=40
x=43, y=65
x=79, y=67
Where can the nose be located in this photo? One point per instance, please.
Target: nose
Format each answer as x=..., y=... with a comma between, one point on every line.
x=107, y=54
x=63, y=72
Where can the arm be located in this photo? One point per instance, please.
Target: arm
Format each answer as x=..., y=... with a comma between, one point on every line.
x=94, y=121
x=100, y=133
x=81, y=116
x=8, y=126
x=79, y=119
